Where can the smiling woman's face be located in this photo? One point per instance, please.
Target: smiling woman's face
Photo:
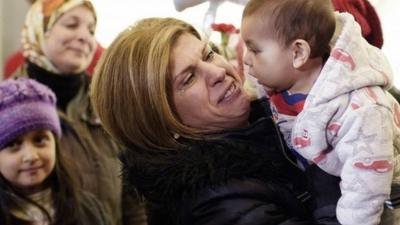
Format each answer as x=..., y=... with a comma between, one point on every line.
x=70, y=43
x=207, y=91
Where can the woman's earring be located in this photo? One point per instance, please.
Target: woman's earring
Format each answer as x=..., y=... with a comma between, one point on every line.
x=176, y=135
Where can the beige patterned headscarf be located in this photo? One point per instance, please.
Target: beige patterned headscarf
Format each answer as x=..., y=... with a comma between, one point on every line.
x=40, y=18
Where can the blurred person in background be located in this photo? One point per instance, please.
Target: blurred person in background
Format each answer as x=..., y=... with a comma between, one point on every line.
x=58, y=46
x=16, y=59
x=36, y=184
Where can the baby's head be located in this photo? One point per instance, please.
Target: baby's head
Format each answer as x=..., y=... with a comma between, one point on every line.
x=29, y=127
x=282, y=35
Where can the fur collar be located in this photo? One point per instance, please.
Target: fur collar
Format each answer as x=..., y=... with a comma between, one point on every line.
x=171, y=175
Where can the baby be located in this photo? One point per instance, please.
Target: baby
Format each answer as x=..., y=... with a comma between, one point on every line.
x=328, y=91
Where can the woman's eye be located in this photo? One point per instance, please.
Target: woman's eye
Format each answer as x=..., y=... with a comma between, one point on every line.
x=71, y=25
x=210, y=55
x=188, y=79
x=91, y=30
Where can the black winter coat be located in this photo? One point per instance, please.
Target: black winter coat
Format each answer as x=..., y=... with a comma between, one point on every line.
x=242, y=177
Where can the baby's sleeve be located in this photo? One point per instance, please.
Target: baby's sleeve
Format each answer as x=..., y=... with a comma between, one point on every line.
x=366, y=152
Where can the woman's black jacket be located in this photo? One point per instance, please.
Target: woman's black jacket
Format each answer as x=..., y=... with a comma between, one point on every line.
x=242, y=177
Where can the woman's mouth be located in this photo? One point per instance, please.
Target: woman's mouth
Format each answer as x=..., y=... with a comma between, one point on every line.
x=230, y=93
x=78, y=51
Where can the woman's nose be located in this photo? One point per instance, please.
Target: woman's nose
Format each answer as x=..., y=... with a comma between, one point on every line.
x=84, y=34
x=214, y=74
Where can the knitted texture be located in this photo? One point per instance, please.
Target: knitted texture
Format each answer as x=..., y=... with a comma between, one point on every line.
x=26, y=105
x=365, y=14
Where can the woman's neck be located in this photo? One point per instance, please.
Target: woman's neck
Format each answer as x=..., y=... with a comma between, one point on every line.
x=65, y=86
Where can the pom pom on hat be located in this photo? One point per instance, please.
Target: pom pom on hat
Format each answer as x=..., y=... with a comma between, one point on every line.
x=365, y=14
x=26, y=105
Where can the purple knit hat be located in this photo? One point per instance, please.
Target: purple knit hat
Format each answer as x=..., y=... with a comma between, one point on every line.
x=26, y=105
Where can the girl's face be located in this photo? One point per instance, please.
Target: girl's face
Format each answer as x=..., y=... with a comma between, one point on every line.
x=70, y=43
x=28, y=160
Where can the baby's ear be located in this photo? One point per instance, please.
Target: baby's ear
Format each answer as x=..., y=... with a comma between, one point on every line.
x=300, y=52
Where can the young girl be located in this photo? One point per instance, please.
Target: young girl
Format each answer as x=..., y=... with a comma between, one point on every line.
x=35, y=185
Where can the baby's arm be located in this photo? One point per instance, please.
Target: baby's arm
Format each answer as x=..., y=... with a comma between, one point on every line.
x=366, y=151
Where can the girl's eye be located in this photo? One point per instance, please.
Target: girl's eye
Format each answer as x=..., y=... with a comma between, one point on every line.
x=13, y=146
x=40, y=139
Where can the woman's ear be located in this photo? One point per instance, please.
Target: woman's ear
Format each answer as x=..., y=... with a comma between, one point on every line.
x=300, y=52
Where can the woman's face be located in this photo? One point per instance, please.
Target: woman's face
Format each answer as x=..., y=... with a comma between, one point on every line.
x=207, y=91
x=70, y=43
x=28, y=160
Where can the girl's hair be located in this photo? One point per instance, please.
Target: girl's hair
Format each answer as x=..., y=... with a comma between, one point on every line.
x=131, y=86
x=65, y=197
x=288, y=20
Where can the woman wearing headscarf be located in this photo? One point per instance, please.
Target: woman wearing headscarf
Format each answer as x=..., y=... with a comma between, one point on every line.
x=16, y=59
x=58, y=45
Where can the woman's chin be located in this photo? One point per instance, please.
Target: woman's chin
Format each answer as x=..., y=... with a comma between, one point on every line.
x=75, y=68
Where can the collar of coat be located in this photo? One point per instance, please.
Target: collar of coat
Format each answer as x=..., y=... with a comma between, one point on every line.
x=170, y=175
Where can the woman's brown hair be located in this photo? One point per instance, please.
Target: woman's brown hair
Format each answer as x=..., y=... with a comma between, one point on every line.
x=131, y=88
